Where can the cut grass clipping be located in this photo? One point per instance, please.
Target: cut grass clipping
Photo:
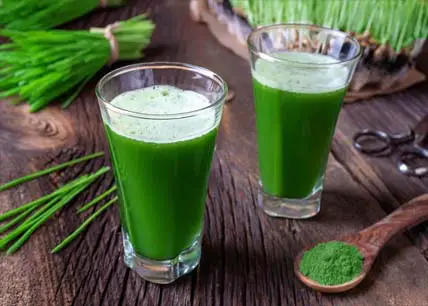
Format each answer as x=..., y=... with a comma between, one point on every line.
x=42, y=66
x=21, y=222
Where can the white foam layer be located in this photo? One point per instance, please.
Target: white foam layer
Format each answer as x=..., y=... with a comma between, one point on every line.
x=163, y=100
x=301, y=78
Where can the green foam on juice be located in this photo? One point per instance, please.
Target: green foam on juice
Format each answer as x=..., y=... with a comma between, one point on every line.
x=162, y=100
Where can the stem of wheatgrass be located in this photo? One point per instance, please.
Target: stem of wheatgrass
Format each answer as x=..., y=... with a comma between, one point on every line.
x=80, y=229
x=97, y=199
x=48, y=170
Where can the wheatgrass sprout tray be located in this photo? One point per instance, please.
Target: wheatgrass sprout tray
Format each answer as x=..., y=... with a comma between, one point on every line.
x=391, y=32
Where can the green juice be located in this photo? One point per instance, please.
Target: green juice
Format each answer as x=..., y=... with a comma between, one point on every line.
x=161, y=169
x=296, y=112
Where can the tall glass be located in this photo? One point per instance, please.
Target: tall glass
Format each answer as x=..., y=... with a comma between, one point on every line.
x=161, y=121
x=300, y=75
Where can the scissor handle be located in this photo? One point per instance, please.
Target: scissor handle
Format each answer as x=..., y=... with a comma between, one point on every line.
x=383, y=142
x=407, y=155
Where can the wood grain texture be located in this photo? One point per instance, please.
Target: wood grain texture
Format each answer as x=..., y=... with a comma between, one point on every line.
x=247, y=256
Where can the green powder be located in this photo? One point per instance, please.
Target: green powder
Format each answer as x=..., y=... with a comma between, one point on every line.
x=332, y=263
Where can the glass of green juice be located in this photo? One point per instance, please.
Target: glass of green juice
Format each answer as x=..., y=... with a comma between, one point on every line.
x=300, y=75
x=161, y=121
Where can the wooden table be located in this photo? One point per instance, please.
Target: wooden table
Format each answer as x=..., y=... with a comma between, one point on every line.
x=247, y=256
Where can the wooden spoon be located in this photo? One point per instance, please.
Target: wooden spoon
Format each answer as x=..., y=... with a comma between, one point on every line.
x=371, y=240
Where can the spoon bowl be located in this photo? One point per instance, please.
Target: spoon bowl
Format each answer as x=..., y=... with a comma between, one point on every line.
x=367, y=263
x=370, y=241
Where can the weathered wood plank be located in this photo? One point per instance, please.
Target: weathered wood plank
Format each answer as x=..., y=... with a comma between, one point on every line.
x=247, y=256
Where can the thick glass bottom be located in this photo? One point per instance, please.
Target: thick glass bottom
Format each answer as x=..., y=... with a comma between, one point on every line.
x=291, y=208
x=162, y=271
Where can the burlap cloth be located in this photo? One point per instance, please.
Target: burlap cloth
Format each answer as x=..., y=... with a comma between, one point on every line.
x=201, y=13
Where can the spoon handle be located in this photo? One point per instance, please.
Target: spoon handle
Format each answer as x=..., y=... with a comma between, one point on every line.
x=410, y=214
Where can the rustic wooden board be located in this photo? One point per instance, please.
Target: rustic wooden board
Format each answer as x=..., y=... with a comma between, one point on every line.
x=247, y=256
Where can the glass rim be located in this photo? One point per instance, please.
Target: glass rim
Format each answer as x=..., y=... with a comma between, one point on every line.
x=271, y=58
x=160, y=65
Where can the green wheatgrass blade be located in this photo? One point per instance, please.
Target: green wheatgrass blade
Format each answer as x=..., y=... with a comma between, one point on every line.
x=410, y=10
x=31, y=204
x=44, y=66
x=97, y=199
x=27, y=223
x=45, y=14
x=81, y=183
x=80, y=229
x=56, y=196
x=44, y=208
x=73, y=97
x=59, y=194
x=39, y=102
x=30, y=227
x=35, y=224
x=49, y=170
x=81, y=180
x=16, y=220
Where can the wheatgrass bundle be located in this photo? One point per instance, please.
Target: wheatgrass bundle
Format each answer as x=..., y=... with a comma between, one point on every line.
x=41, y=66
x=45, y=14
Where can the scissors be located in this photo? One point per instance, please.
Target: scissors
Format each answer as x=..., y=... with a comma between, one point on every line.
x=378, y=143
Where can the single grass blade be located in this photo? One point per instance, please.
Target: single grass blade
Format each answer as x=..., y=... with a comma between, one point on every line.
x=96, y=200
x=80, y=229
x=49, y=170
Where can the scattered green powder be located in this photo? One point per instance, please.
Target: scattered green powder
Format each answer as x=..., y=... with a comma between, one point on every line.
x=332, y=263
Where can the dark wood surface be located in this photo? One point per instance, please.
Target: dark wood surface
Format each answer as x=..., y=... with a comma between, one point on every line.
x=247, y=256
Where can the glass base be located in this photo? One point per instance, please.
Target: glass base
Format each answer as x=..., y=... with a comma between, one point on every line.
x=291, y=208
x=162, y=271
